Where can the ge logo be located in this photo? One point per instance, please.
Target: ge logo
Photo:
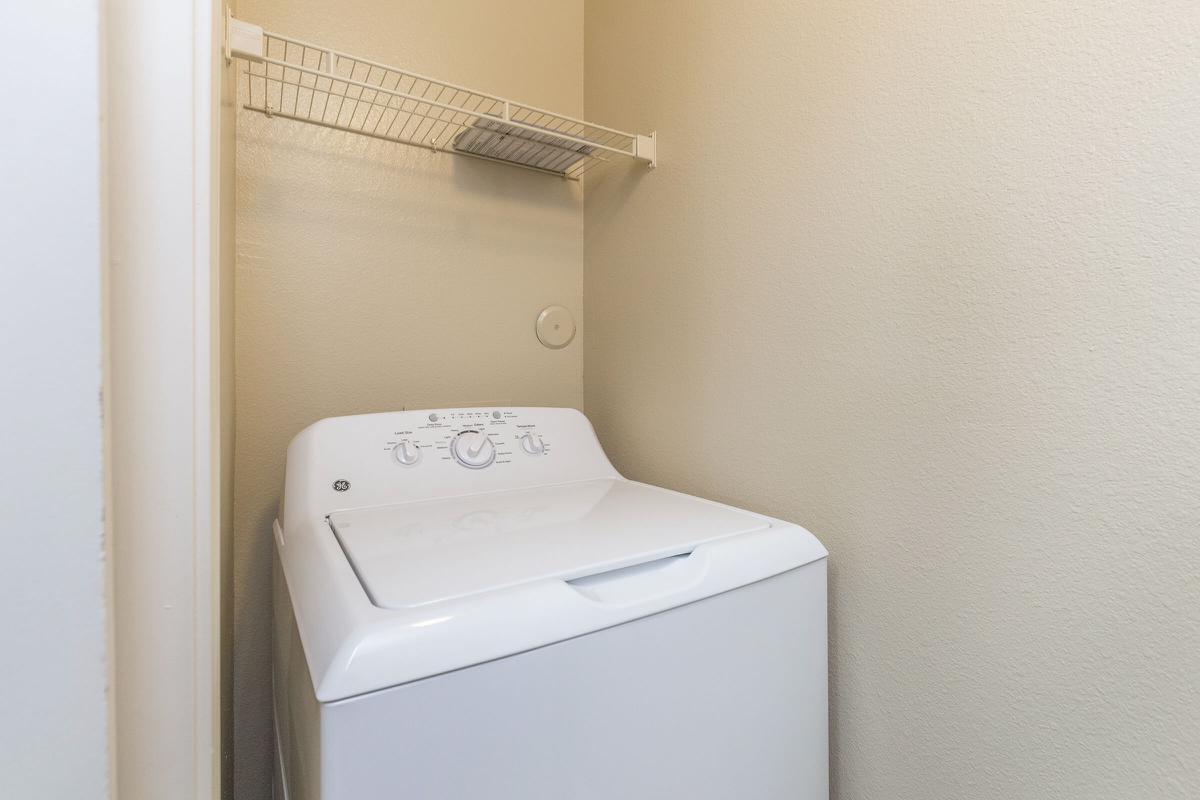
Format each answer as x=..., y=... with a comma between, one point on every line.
x=341, y=486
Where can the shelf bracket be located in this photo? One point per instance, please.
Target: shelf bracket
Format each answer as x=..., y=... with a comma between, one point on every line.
x=242, y=40
x=646, y=148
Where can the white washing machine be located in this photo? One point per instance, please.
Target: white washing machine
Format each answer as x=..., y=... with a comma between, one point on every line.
x=472, y=603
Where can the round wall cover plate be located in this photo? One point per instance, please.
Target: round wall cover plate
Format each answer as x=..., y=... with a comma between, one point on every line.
x=555, y=327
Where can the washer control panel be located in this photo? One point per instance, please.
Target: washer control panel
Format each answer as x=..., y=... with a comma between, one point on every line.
x=372, y=459
x=403, y=456
x=468, y=438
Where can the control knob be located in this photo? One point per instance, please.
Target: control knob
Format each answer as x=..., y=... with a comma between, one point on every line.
x=532, y=444
x=473, y=449
x=406, y=453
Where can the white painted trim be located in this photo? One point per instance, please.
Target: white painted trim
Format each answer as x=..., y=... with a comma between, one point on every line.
x=206, y=413
x=106, y=382
x=163, y=390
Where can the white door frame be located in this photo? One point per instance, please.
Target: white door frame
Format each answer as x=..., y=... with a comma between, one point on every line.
x=162, y=394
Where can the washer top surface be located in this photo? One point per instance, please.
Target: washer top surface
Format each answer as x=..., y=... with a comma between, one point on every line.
x=414, y=543
x=413, y=554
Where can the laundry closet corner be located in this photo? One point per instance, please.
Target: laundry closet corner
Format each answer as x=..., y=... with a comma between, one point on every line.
x=374, y=277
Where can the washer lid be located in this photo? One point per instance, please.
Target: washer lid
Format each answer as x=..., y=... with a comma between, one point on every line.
x=414, y=554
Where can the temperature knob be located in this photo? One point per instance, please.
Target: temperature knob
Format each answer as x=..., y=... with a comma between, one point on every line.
x=532, y=444
x=473, y=449
x=406, y=453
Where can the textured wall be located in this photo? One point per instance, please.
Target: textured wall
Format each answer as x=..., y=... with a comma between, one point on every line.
x=925, y=277
x=54, y=609
x=227, y=254
x=372, y=276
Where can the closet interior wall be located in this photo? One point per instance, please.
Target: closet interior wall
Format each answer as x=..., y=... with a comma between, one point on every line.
x=373, y=276
x=917, y=276
x=929, y=289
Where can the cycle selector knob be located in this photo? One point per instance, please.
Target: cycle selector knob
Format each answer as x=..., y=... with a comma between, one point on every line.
x=473, y=449
x=532, y=444
x=406, y=453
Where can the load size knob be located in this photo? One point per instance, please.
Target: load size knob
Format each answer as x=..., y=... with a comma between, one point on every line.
x=406, y=453
x=473, y=449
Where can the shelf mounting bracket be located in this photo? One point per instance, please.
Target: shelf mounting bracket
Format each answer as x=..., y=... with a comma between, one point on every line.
x=242, y=39
x=646, y=148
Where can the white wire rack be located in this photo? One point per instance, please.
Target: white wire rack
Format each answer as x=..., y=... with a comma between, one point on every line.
x=284, y=77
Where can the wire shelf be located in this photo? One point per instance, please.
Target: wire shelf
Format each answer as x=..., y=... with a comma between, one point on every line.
x=296, y=80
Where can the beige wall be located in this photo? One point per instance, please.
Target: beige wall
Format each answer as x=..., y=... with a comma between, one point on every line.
x=925, y=277
x=372, y=277
x=227, y=258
